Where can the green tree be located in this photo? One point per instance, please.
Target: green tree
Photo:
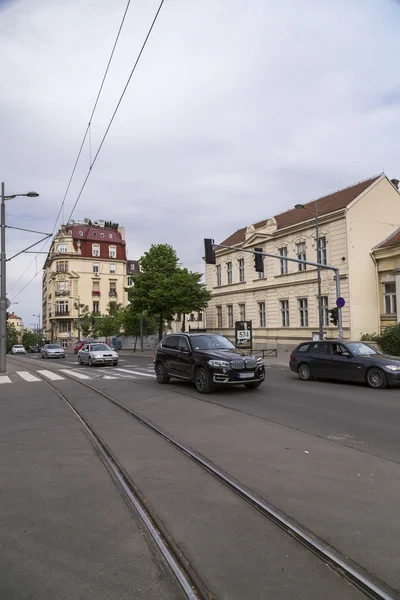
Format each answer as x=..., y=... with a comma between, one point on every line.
x=86, y=321
x=11, y=337
x=29, y=339
x=163, y=289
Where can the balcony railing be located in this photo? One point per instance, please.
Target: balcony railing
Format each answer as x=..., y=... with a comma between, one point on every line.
x=113, y=293
x=95, y=293
x=62, y=293
x=62, y=313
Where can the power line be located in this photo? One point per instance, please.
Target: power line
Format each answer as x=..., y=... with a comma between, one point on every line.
x=83, y=140
x=117, y=107
x=26, y=285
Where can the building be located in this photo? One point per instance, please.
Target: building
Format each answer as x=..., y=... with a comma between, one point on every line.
x=194, y=322
x=386, y=256
x=18, y=324
x=282, y=303
x=132, y=270
x=85, y=266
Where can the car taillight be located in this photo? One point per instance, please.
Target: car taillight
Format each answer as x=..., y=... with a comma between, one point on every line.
x=291, y=357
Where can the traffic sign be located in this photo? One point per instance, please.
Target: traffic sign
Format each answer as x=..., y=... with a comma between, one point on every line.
x=8, y=303
x=340, y=302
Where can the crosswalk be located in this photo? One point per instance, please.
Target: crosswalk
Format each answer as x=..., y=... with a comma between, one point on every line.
x=134, y=372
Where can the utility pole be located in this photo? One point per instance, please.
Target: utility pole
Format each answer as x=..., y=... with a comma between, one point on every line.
x=141, y=331
x=3, y=299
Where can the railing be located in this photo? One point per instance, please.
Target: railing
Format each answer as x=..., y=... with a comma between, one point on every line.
x=62, y=293
x=95, y=293
x=267, y=352
x=62, y=313
x=113, y=293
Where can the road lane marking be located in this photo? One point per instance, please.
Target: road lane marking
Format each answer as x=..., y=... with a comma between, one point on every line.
x=28, y=376
x=4, y=379
x=135, y=372
x=75, y=374
x=50, y=375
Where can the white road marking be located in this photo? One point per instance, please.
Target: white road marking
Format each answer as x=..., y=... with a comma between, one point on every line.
x=4, y=379
x=135, y=372
x=50, y=375
x=75, y=374
x=109, y=377
x=28, y=376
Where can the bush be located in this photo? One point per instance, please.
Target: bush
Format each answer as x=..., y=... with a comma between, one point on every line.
x=389, y=340
x=370, y=337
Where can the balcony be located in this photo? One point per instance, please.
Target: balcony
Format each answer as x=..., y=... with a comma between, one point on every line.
x=62, y=293
x=62, y=313
x=95, y=293
x=113, y=293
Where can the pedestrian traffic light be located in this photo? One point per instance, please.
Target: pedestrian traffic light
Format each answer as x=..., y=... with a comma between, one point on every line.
x=209, y=251
x=334, y=316
x=258, y=260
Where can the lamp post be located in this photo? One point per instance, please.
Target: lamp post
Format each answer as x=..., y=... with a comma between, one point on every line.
x=3, y=297
x=315, y=213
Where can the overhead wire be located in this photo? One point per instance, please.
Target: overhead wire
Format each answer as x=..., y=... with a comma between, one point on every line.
x=81, y=146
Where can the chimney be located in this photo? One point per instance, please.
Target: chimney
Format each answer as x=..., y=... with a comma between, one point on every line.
x=121, y=231
x=395, y=182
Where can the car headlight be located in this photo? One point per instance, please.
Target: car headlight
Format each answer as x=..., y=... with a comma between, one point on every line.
x=393, y=367
x=219, y=363
x=97, y=356
x=259, y=361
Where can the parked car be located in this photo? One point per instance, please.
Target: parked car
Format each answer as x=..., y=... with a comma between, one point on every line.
x=53, y=351
x=347, y=361
x=34, y=349
x=209, y=360
x=97, y=353
x=18, y=349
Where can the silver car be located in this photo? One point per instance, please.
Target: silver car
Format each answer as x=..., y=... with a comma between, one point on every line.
x=18, y=349
x=97, y=353
x=53, y=351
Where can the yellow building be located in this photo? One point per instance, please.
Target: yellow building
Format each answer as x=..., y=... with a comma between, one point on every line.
x=86, y=265
x=386, y=256
x=18, y=324
x=283, y=303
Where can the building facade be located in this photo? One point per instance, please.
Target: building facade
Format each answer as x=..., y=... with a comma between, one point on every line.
x=18, y=324
x=282, y=303
x=194, y=323
x=386, y=256
x=85, y=266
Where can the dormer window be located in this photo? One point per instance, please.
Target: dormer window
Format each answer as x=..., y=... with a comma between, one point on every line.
x=62, y=248
x=95, y=250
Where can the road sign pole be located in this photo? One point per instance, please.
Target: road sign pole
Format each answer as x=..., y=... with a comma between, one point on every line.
x=340, y=327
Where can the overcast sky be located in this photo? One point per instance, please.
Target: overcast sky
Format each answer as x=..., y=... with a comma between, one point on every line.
x=238, y=110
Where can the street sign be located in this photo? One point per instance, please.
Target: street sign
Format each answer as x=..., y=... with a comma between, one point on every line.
x=8, y=303
x=243, y=335
x=340, y=302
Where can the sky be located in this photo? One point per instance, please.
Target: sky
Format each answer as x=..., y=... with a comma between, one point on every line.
x=238, y=110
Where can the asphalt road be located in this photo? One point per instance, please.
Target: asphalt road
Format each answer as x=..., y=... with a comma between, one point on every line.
x=323, y=453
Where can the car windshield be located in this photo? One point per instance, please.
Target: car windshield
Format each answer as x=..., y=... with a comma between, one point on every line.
x=18, y=346
x=54, y=347
x=97, y=347
x=211, y=342
x=360, y=349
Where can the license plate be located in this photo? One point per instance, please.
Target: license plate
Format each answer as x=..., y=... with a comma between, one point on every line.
x=246, y=375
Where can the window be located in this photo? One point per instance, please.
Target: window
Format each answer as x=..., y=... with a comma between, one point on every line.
x=230, y=315
x=284, y=304
x=303, y=312
x=63, y=286
x=219, y=316
x=283, y=262
x=304, y=348
x=95, y=250
x=261, y=314
x=241, y=269
x=96, y=288
x=62, y=265
x=200, y=316
x=261, y=274
x=96, y=308
x=183, y=344
x=113, y=288
x=65, y=326
x=112, y=268
x=301, y=255
x=129, y=281
x=62, y=248
x=218, y=271
x=172, y=341
x=321, y=250
x=96, y=269
x=229, y=272
x=94, y=233
x=325, y=311
x=62, y=307
x=110, y=236
x=389, y=295
x=242, y=312
x=113, y=251
x=102, y=235
x=320, y=348
x=81, y=233
x=339, y=349
x=132, y=266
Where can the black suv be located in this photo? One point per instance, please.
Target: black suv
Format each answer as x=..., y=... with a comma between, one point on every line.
x=208, y=359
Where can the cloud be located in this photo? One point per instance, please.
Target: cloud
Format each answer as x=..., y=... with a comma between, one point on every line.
x=237, y=111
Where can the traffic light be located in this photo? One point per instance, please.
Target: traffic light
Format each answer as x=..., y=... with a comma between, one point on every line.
x=209, y=251
x=7, y=316
x=334, y=316
x=258, y=260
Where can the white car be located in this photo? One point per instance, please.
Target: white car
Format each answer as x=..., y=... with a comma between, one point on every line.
x=53, y=351
x=97, y=354
x=18, y=349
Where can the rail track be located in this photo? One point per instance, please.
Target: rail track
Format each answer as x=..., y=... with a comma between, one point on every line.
x=189, y=581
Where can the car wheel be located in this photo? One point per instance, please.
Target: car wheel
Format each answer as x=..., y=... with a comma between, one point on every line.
x=202, y=381
x=90, y=363
x=305, y=372
x=79, y=360
x=376, y=378
x=253, y=385
x=161, y=373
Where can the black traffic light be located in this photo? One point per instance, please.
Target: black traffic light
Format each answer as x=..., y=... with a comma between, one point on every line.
x=209, y=251
x=7, y=315
x=258, y=260
x=334, y=316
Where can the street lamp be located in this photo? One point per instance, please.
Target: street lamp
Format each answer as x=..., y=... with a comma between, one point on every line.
x=315, y=213
x=3, y=298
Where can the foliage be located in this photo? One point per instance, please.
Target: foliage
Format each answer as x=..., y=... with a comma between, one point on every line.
x=130, y=322
x=369, y=337
x=163, y=289
x=11, y=337
x=106, y=326
x=86, y=321
x=389, y=340
x=29, y=339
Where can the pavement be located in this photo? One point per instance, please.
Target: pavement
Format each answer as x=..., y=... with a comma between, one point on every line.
x=324, y=454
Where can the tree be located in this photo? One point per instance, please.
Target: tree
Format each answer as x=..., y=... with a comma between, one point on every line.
x=163, y=289
x=389, y=340
x=86, y=321
x=11, y=337
x=29, y=339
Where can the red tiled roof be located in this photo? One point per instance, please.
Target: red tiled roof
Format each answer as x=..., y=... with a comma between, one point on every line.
x=12, y=316
x=392, y=240
x=91, y=232
x=326, y=204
